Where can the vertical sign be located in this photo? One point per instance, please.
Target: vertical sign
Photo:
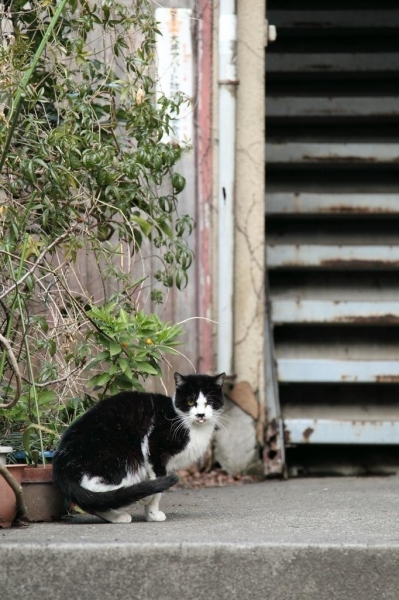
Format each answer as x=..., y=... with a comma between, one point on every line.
x=175, y=66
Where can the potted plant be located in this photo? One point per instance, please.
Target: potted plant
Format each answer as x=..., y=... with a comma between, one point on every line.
x=26, y=492
x=90, y=230
x=10, y=490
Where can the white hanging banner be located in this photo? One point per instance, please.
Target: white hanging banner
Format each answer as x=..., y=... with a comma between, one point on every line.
x=175, y=66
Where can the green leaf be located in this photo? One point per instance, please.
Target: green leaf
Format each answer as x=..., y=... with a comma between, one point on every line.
x=178, y=182
x=114, y=348
x=99, y=380
x=123, y=364
x=26, y=440
x=94, y=361
x=52, y=347
x=124, y=316
x=45, y=396
x=145, y=226
x=145, y=367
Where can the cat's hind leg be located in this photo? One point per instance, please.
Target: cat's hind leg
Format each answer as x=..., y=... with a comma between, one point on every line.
x=113, y=516
x=151, y=509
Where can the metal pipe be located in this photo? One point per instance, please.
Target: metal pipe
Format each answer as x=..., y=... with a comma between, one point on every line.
x=227, y=131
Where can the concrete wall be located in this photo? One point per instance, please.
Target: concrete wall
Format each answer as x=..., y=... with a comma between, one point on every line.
x=236, y=447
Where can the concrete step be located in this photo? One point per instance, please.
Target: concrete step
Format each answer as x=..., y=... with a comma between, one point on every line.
x=304, y=539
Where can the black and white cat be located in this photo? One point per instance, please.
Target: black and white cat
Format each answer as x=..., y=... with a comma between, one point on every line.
x=127, y=447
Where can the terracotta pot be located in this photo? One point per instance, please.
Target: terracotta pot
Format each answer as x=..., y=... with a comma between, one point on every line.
x=43, y=500
x=8, y=507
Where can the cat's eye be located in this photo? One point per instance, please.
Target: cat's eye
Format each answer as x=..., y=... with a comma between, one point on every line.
x=191, y=402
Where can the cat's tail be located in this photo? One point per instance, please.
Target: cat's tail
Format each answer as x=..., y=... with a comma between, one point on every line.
x=91, y=501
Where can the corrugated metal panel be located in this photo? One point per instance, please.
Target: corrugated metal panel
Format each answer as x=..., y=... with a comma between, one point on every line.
x=332, y=371
x=329, y=431
x=334, y=311
x=332, y=111
x=334, y=63
x=330, y=152
x=300, y=203
x=333, y=19
x=291, y=106
x=354, y=257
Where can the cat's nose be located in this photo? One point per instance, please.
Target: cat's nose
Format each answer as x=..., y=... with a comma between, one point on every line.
x=201, y=415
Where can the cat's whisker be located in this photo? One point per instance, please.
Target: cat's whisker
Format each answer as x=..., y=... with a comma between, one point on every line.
x=176, y=426
x=218, y=422
x=223, y=417
x=179, y=424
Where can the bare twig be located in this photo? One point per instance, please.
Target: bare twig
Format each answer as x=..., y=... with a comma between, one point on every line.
x=11, y=356
x=17, y=489
x=38, y=261
x=53, y=381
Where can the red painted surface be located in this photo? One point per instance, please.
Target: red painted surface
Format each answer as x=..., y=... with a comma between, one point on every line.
x=204, y=184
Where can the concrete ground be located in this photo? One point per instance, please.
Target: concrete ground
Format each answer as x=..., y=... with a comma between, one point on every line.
x=304, y=539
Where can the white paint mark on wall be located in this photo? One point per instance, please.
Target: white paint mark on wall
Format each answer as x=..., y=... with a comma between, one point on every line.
x=175, y=66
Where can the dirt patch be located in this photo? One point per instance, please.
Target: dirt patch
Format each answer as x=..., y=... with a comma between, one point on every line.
x=213, y=478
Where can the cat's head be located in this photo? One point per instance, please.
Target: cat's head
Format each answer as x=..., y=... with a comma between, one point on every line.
x=199, y=398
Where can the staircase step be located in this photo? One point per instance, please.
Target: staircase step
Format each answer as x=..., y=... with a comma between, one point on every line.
x=311, y=370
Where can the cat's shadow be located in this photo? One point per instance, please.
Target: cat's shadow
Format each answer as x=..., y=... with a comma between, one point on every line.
x=87, y=519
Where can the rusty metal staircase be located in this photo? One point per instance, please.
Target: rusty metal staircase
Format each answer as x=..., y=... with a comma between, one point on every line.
x=332, y=223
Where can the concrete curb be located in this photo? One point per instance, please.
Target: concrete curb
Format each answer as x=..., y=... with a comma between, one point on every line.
x=198, y=571
x=315, y=539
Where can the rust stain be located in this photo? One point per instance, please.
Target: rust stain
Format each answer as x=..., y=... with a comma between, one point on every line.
x=339, y=263
x=346, y=159
x=307, y=433
x=387, y=378
x=387, y=319
x=287, y=436
x=272, y=451
x=348, y=378
x=359, y=263
x=335, y=158
x=346, y=208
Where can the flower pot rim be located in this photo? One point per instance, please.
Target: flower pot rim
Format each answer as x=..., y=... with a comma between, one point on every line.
x=39, y=474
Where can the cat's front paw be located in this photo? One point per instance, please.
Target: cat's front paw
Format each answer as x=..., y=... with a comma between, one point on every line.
x=155, y=516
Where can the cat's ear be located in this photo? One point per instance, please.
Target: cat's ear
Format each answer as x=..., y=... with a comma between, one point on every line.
x=219, y=379
x=179, y=380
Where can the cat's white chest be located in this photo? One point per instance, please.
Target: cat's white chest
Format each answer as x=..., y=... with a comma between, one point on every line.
x=200, y=437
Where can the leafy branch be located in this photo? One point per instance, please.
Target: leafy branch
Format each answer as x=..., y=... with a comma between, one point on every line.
x=89, y=204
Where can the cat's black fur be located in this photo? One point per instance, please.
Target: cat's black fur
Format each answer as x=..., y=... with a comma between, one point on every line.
x=137, y=435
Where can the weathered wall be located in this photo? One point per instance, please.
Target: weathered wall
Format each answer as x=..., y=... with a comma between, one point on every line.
x=236, y=448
